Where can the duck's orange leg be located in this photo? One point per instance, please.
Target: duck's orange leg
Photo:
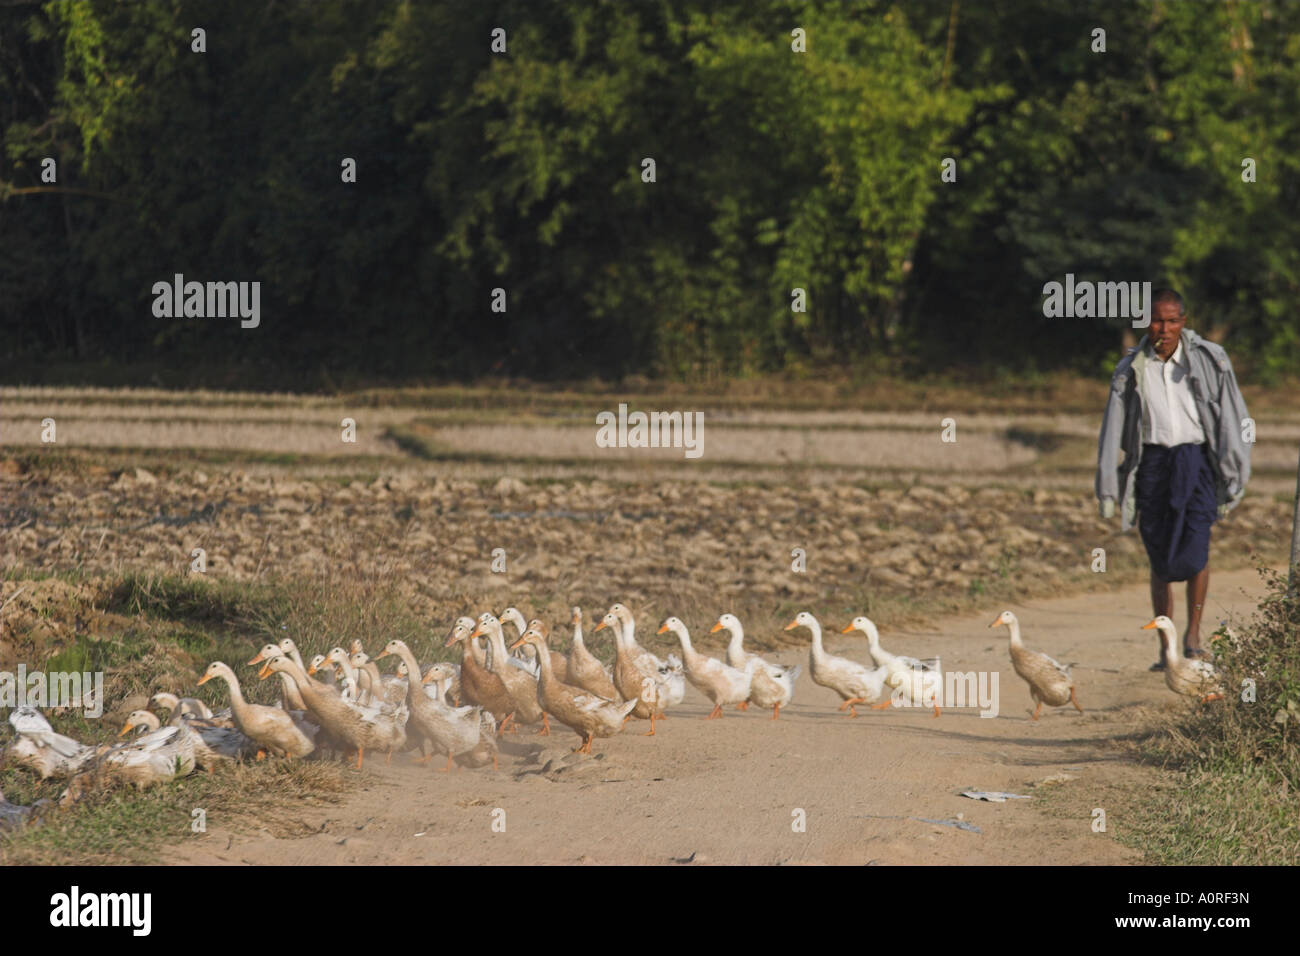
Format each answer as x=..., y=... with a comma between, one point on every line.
x=1075, y=701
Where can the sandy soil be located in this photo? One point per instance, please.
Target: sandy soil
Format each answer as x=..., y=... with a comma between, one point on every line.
x=727, y=791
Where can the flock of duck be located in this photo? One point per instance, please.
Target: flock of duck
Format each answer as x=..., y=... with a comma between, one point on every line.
x=341, y=703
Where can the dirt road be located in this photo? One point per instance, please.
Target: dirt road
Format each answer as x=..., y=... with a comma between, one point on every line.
x=730, y=790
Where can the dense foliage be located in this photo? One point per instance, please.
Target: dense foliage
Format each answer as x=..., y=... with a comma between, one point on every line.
x=774, y=170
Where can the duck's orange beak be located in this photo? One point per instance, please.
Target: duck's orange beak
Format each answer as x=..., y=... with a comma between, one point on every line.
x=847, y=629
x=426, y=678
x=204, y=679
x=601, y=626
x=126, y=729
x=997, y=621
x=265, y=672
x=1147, y=627
x=477, y=631
x=662, y=629
x=382, y=654
x=715, y=628
x=258, y=659
x=517, y=643
x=792, y=625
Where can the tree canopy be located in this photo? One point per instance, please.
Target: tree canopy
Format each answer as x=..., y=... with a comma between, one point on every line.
x=795, y=145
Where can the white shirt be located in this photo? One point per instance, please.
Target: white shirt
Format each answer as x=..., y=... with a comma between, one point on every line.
x=1169, y=415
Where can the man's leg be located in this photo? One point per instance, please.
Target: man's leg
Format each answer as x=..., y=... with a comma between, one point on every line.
x=1162, y=602
x=1197, y=589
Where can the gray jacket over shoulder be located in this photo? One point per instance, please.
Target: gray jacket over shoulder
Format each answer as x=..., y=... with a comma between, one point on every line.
x=1219, y=404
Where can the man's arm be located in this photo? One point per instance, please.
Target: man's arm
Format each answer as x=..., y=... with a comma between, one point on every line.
x=1234, y=450
x=1112, y=431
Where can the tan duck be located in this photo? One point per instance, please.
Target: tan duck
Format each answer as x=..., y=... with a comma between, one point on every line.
x=584, y=669
x=269, y=727
x=585, y=713
x=356, y=727
x=189, y=706
x=1189, y=677
x=671, y=676
x=1049, y=682
x=637, y=678
x=478, y=684
x=772, y=686
x=441, y=676
x=717, y=681
x=855, y=683
x=290, y=699
x=521, y=684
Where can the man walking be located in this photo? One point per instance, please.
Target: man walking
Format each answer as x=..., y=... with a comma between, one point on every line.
x=1177, y=414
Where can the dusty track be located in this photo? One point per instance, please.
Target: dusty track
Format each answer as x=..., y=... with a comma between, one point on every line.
x=725, y=791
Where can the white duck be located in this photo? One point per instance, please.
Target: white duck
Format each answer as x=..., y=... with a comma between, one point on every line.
x=1190, y=677
x=772, y=686
x=856, y=683
x=918, y=681
x=155, y=757
x=212, y=743
x=719, y=682
x=37, y=747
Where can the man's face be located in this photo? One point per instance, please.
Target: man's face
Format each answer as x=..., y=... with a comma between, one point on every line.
x=1166, y=328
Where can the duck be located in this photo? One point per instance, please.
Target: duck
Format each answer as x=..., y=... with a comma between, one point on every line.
x=855, y=683
x=349, y=685
x=355, y=726
x=290, y=699
x=916, y=680
x=478, y=683
x=559, y=663
x=431, y=692
x=37, y=747
x=449, y=730
x=719, y=682
x=189, y=706
x=772, y=686
x=670, y=668
x=384, y=688
x=585, y=713
x=155, y=757
x=522, y=687
x=271, y=728
x=317, y=666
x=640, y=678
x=442, y=676
x=1190, y=677
x=584, y=669
x=1049, y=682
x=213, y=744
